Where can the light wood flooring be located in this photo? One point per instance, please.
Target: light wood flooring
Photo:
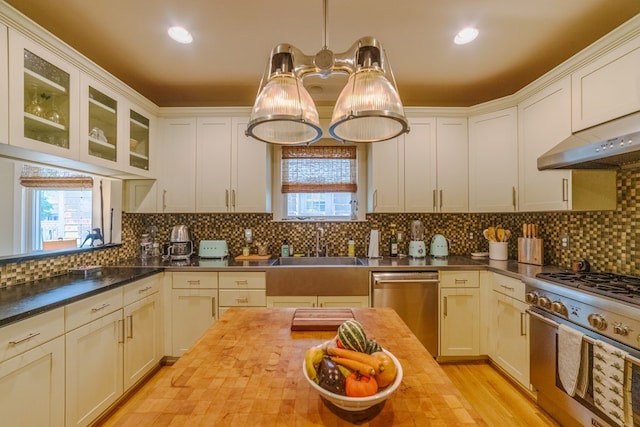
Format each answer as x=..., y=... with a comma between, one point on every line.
x=494, y=397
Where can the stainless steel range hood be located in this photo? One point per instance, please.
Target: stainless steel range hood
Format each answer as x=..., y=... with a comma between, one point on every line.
x=610, y=145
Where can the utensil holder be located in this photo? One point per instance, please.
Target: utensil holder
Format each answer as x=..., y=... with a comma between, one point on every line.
x=498, y=251
x=530, y=250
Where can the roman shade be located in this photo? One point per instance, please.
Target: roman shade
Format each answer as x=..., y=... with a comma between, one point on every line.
x=319, y=169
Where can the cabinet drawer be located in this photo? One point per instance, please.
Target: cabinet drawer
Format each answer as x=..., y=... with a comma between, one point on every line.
x=26, y=334
x=92, y=308
x=141, y=288
x=508, y=286
x=459, y=279
x=195, y=280
x=242, y=298
x=242, y=280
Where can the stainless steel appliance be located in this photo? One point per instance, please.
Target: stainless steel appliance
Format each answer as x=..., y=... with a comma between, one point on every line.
x=603, y=307
x=181, y=246
x=417, y=248
x=414, y=296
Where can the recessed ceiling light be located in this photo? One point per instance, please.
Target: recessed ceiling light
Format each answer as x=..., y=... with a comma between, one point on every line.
x=180, y=35
x=466, y=35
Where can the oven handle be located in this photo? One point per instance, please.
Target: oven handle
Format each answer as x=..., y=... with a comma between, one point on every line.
x=588, y=339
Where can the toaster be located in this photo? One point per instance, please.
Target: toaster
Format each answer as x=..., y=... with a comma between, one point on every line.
x=213, y=249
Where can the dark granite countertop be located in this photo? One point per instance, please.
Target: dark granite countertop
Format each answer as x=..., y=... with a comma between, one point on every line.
x=25, y=300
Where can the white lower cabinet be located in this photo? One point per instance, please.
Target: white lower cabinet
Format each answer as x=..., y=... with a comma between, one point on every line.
x=242, y=289
x=459, y=313
x=32, y=371
x=318, y=301
x=510, y=328
x=194, y=307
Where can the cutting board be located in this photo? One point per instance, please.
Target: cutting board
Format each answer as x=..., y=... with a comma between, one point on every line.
x=252, y=257
x=319, y=319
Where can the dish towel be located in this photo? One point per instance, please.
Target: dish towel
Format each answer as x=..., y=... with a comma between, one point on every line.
x=609, y=380
x=569, y=357
x=585, y=371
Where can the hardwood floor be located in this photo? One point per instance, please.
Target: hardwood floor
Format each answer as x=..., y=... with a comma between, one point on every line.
x=497, y=400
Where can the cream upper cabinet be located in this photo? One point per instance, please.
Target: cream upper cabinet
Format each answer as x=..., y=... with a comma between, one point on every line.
x=43, y=99
x=4, y=88
x=420, y=174
x=176, y=185
x=386, y=176
x=452, y=162
x=213, y=164
x=250, y=171
x=544, y=120
x=493, y=161
x=608, y=87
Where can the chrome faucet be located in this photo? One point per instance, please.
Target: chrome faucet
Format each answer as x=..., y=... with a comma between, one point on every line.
x=319, y=235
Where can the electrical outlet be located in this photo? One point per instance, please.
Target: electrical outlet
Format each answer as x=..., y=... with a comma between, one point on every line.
x=471, y=235
x=565, y=241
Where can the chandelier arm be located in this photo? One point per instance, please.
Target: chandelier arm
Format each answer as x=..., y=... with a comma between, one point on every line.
x=325, y=11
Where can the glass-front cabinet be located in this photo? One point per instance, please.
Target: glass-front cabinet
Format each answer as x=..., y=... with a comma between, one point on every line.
x=99, y=128
x=43, y=95
x=139, y=136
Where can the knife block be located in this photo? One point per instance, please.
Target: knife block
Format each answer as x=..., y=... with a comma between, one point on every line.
x=530, y=250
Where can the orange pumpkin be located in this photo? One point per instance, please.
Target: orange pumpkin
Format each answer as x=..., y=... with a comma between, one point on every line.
x=358, y=385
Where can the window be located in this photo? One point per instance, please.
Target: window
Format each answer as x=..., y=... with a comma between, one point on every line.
x=60, y=205
x=319, y=181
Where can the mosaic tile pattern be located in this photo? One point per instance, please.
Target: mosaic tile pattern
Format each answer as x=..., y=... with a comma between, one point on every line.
x=608, y=239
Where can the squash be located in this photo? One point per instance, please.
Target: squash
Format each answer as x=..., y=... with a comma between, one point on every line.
x=352, y=336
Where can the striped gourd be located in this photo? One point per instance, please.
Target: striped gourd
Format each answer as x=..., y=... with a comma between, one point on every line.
x=352, y=336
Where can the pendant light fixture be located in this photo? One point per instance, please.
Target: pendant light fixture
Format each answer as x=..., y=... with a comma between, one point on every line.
x=368, y=108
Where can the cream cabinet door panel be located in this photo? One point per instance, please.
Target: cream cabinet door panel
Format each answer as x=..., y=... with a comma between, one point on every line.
x=453, y=165
x=512, y=337
x=459, y=322
x=176, y=166
x=4, y=88
x=493, y=161
x=142, y=338
x=420, y=174
x=213, y=164
x=386, y=176
x=32, y=387
x=292, y=301
x=192, y=312
x=343, y=301
x=250, y=171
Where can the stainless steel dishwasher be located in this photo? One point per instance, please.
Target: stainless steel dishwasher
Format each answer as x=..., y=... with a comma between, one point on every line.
x=414, y=296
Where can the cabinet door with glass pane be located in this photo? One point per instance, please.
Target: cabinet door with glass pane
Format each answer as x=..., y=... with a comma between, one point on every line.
x=137, y=149
x=99, y=124
x=43, y=99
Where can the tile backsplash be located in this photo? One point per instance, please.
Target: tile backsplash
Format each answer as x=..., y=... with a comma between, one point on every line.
x=608, y=239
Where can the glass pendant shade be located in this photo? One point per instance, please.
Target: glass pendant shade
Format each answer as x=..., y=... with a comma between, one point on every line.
x=368, y=109
x=284, y=113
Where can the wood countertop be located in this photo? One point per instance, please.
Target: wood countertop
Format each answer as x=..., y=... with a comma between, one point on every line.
x=247, y=370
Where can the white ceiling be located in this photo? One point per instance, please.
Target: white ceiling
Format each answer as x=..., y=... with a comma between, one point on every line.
x=519, y=41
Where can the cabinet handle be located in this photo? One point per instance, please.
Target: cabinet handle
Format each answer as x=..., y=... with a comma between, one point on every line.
x=445, y=305
x=434, y=200
x=375, y=200
x=565, y=190
x=102, y=307
x=130, y=335
x=120, y=331
x=226, y=198
x=143, y=290
x=164, y=200
x=242, y=300
x=513, y=197
x=507, y=288
x=193, y=282
x=213, y=307
x=233, y=199
x=523, y=327
x=460, y=281
x=242, y=283
x=25, y=338
x=440, y=200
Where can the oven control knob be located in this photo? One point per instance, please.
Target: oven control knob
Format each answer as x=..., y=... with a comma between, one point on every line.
x=560, y=308
x=621, y=329
x=531, y=297
x=597, y=321
x=544, y=302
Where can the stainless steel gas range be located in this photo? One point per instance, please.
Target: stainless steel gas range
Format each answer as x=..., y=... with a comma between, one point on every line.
x=602, y=306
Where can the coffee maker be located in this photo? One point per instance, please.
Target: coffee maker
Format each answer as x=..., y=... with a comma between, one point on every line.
x=417, y=247
x=181, y=246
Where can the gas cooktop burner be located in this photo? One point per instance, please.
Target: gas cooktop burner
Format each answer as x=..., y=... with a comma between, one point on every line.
x=618, y=286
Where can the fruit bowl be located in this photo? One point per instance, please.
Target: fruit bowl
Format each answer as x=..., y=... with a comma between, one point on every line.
x=358, y=403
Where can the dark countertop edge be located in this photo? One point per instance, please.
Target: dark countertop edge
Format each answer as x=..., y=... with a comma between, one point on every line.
x=4, y=321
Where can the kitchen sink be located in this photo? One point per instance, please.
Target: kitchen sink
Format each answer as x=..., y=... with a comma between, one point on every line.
x=313, y=261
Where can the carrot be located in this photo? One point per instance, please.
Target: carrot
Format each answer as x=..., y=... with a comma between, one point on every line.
x=365, y=358
x=354, y=365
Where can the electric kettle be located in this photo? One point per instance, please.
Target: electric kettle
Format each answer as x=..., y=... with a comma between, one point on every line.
x=439, y=246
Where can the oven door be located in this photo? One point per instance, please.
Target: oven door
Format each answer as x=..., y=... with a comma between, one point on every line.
x=569, y=411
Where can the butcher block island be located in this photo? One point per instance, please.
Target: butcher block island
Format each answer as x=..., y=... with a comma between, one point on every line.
x=247, y=370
